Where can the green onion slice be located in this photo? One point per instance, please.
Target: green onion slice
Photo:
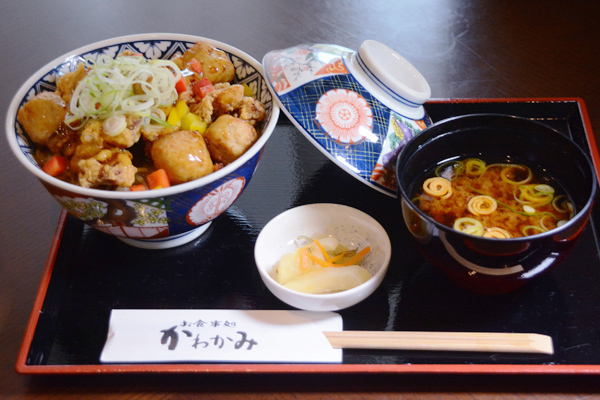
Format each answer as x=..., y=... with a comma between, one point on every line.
x=126, y=84
x=469, y=225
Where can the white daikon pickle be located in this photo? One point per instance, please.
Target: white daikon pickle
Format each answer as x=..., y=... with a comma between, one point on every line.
x=322, y=266
x=329, y=280
x=290, y=264
x=329, y=243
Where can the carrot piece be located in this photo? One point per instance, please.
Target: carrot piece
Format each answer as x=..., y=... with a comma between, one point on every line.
x=158, y=179
x=304, y=259
x=205, y=90
x=356, y=257
x=204, y=82
x=203, y=87
x=326, y=264
x=55, y=166
x=195, y=66
x=335, y=258
x=181, y=85
x=137, y=188
x=319, y=261
x=327, y=258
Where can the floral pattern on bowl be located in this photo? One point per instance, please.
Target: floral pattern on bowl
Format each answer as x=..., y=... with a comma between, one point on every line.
x=345, y=116
x=216, y=202
x=317, y=88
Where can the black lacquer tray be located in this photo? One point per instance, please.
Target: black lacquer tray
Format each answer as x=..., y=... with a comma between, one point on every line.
x=89, y=273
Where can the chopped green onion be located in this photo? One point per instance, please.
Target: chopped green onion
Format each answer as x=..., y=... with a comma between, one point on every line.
x=160, y=121
x=123, y=85
x=450, y=170
x=528, y=209
x=469, y=225
x=475, y=167
x=114, y=125
x=561, y=204
x=512, y=209
x=544, y=189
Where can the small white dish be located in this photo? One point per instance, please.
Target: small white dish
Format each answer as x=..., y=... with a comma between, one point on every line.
x=353, y=228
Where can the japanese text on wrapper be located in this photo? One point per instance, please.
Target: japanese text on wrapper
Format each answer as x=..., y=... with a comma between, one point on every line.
x=202, y=334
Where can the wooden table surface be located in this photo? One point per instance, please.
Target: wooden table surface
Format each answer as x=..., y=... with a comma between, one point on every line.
x=464, y=48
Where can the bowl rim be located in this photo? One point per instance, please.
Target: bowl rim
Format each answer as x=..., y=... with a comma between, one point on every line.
x=13, y=108
x=378, y=276
x=403, y=196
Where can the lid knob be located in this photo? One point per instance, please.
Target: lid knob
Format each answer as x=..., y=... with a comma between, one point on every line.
x=385, y=71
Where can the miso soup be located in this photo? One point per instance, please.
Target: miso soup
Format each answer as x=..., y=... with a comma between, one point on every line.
x=495, y=200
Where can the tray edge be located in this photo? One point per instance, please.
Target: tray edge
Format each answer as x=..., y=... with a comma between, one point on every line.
x=567, y=369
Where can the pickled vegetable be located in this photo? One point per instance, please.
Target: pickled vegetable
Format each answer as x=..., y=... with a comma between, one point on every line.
x=322, y=266
x=329, y=280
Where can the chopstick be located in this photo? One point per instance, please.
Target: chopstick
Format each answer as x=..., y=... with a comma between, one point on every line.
x=442, y=341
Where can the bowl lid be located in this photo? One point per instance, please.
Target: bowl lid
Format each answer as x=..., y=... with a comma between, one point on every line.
x=357, y=107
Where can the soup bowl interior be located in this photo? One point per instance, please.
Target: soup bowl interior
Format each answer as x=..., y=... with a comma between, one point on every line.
x=159, y=218
x=483, y=264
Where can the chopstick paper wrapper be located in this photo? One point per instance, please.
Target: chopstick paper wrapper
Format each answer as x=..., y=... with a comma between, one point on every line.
x=237, y=336
x=233, y=336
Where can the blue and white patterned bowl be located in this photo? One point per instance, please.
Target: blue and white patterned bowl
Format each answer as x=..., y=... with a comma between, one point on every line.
x=357, y=107
x=172, y=216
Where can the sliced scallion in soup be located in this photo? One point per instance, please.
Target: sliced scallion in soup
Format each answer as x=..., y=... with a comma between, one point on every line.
x=495, y=200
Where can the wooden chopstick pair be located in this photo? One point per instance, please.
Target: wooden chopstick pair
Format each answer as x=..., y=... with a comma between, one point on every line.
x=443, y=341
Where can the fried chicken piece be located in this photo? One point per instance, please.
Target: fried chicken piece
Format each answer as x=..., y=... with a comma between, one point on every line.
x=42, y=116
x=111, y=167
x=130, y=135
x=251, y=111
x=229, y=137
x=67, y=83
x=183, y=155
x=63, y=141
x=215, y=63
x=94, y=131
x=225, y=99
x=151, y=133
